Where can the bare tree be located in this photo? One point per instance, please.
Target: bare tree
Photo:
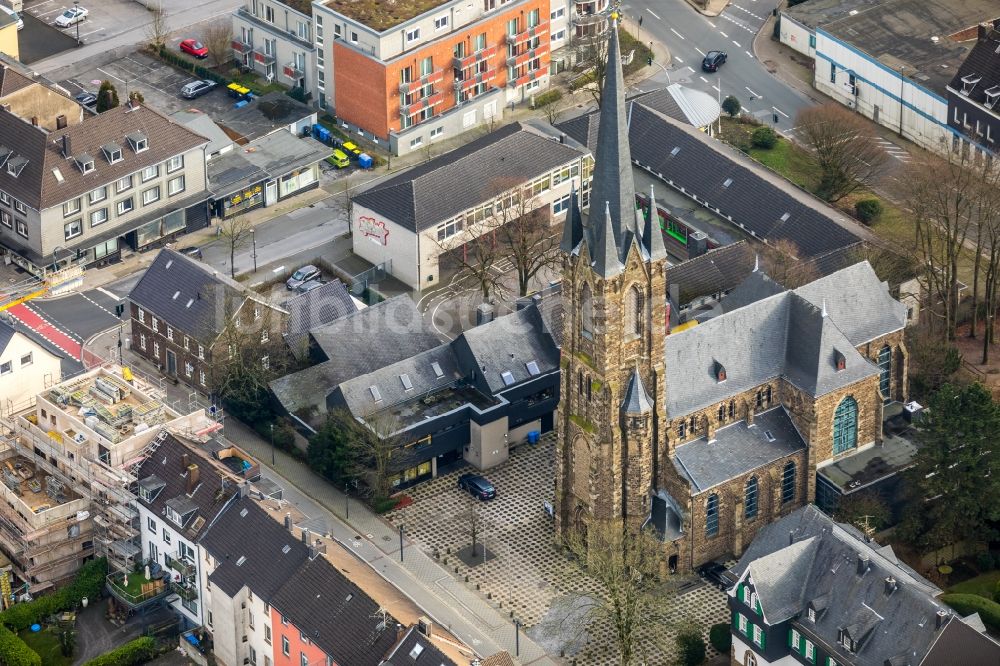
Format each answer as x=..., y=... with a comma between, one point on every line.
x=593, y=58
x=527, y=239
x=236, y=233
x=626, y=565
x=472, y=245
x=157, y=30
x=218, y=39
x=374, y=440
x=473, y=518
x=987, y=215
x=783, y=263
x=843, y=145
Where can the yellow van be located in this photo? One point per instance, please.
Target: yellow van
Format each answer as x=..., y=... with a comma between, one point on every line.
x=339, y=159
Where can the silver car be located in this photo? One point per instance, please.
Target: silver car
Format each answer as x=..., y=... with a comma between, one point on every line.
x=301, y=276
x=196, y=89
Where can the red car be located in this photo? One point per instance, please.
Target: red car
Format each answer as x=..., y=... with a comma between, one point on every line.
x=195, y=48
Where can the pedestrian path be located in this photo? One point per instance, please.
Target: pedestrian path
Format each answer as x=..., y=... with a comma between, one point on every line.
x=418, y=576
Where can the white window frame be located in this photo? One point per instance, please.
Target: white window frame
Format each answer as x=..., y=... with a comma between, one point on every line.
x=71, y=207
x=441, y=22
x=201, y=377
x=122, y=210
x=96, y=213
x=31, y=359
x=142, y=341
x=796, y=639
x=149, y=173
x=174, y=163
x=201, y=352
x=22, y=227
x=171, y=189
x=20, y=207
x=412, y=35
x=741, y=623
x=69, y=227
x=124, y=183
x=153, y=192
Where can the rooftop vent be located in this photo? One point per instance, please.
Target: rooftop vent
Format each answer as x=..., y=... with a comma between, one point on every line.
x=405, y=380
x=935, y=39
x=507, y=378
x=890, y=585
x=863, y=563
x=436, y=367
x=941, y=618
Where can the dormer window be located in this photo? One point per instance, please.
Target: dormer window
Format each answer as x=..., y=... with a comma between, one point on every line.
x=175, y=517
x=845, y=640
x=839, y=360
x=85, y=162
x=15, y=165
x=138, y=141
x=969, y=82
x=719, y=371
x=992, y=95
x=112, y=152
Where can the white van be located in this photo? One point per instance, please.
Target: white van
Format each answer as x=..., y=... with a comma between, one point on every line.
x=13, y=15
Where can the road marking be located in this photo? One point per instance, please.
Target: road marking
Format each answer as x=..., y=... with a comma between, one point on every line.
x=278, y=269
x=724, y=34
x=748, y=53
x=84, y=34
x=654, y=14
x=677, y=33
x=108, y=293
x=678, y=60
x=781, y=112
x=751, y=92
x=110, y=74
x=689, y=67
x=703, y=79
x=700, y=51
x=738, y=45
x=98, y=305
x=716, y=88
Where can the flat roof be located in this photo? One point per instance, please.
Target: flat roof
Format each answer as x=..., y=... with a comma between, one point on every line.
x=819, y=12
x=383, y=14
x=872, y=464
x=901, y=33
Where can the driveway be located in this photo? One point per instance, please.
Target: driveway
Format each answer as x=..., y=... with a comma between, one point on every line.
x=96, y=636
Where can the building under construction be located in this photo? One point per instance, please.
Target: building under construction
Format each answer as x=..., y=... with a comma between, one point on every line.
x=68, y=468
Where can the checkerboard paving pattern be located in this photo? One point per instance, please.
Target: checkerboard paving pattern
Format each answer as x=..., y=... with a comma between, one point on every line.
x=529, y=575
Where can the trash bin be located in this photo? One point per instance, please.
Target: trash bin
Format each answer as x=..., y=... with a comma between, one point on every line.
x=533, y=437
x=365, y=161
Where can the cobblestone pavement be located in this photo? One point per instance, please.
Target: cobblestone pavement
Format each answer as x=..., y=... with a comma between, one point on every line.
x=527, y=575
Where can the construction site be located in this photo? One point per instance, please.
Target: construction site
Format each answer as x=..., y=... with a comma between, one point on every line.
x=68, y=464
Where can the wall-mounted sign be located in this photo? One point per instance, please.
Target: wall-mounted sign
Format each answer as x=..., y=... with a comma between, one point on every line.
x=371, y=228
x=248, y=193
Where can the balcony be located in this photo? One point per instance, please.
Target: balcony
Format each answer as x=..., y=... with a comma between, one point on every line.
x=581, y=17
x=421, y=104
x=526, y=78
x=242, y=47
x=263, y=58
x=537, y=31
x=183, y=567
x=470, y=60
x=529, y=55
x=134, y=590
x=429, y=79
x=292, y=71
x=185, y=592
x=462, y=85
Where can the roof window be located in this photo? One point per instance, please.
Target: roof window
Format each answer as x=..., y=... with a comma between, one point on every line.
x=244, y=512
x=676, y=150
x=507, y=377
x=992, y=94
x=839, y=360
x=176, y=294
x=15, y=165
x=239, y=562
x=405, y=380
x=769, y=436
x=969, y=82
x=436, y=367
x=719, y=371
x=85, y=162
x=784, y=218
x=416, y=651
x=285, y=549
x=58, y=174
x=376, y=394
x=5, y=152
x=728, y=182
x=113, y=152
x=532, y=368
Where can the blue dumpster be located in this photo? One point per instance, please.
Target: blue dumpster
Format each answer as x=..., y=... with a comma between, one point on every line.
x=533, y=437
x=365, y=161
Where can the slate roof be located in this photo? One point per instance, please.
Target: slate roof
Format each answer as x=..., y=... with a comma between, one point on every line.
x=190, y=296
x=507, y=344
x=210, y=495
x=37, y=185
x=428, y=654
x=636, y=399
x=737, y=449
x=961, y=638
x=245, y=530
x=807, y=557
x=781, y=335
x=716, y=271
x=425, y=195
x=315, y=308
x=756, y=286
x=983, y=61
x=334, y=614
x=307, y=388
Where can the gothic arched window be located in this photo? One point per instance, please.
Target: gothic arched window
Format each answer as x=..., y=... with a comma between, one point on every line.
x=750, y=498
x=845, y=425
x=712, y=515
x=885, y=371
x=587, y=312
x=634, y=313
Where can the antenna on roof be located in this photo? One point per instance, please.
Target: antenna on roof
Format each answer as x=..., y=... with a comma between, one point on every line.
x=756, y=263
x=824, y=307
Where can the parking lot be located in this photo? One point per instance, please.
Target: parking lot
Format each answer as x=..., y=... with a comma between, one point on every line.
x=526, y=572
x=104, y=18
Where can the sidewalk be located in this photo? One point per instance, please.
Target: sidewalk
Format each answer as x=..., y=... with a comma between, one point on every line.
x=419, y=577
x=787, y=65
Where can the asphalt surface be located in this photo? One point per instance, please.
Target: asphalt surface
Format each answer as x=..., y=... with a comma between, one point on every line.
x=689, y=35
x=82, y=314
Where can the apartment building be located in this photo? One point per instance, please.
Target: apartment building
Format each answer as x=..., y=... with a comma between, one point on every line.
x=85, y=187
x=428, y=69
x=275, y=39
x=973, y=94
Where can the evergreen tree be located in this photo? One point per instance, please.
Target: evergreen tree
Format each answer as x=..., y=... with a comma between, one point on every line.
x=107, y=97
x=955, y=479
x=732, y=106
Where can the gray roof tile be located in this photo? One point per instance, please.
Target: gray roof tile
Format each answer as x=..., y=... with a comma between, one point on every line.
x=314, y=309
x=716, y=271
x=636, y=399
x=427, y=653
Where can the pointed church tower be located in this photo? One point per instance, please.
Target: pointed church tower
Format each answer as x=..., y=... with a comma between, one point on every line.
x=611, y=417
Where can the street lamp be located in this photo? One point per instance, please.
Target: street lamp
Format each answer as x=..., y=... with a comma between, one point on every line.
x=253, y=238
x=400, y=544
x=272, y=445
x=76, y=15
x=517, y=638
x=347, y=504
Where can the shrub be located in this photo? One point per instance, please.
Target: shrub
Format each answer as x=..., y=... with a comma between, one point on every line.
x=967, y=604
x=868, y=210
x=996, y=592
x=720, y=637
x=138, y=651
x=15, y=652
x=690, y=646
x=984, y=561
x=547, y=98
x=732, y=106
x=107, y=97
x=88, y=583
x=764, y=137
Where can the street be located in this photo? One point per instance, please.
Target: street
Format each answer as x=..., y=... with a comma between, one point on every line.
x=689, y=35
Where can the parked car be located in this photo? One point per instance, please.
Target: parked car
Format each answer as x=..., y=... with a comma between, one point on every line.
x=339, y=159
x=713, y=60
x=13, y=15
x=196, y=89
x=477, y=486
x=306, y=287
x=71, y=16
x=301, y=276
x=193, y=252
x=717, y=574
x=195, y=48
x=85, y=98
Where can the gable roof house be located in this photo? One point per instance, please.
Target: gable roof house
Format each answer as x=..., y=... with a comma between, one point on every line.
x=816, y=591
x=85, y=184
x=974, y=93
x=185, y=315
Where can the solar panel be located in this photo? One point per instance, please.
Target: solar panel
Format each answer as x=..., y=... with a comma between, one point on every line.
x=532, y=368
x=405, y=379
x=507, y=378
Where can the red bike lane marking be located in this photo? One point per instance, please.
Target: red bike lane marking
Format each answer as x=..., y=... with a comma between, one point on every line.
x=44, y=328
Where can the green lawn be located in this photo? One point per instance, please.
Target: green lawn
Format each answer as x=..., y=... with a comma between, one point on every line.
x=789, y=161
x=982, y=585
x=46, y=644
x=134, y=588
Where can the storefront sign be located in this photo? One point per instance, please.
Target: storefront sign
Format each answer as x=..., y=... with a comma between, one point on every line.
x=370, y=228
x=245, y=194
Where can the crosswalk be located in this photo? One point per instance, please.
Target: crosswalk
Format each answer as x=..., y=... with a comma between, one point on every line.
x=895, y=151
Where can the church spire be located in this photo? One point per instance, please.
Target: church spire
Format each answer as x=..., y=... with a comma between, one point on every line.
x=573, y=226
x=651, y=234
x=612, y=181
x=605, y=258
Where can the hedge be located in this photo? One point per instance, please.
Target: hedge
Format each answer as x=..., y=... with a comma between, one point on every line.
x=138, y=651
x=547, y=98
x=868, y=211
x=15, y=652
x=967, y=604
x=89, y=582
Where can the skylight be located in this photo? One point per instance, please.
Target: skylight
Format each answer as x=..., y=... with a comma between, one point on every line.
x=243, y=513
x=507, y=378
x=285, y=549
x=416, y=651
x=176, y=294
x=436, y=367
x=729, y=181
x=532, y=368
x=676, y=150
x=407, y=384
x=768, y=435
x=190, y=301
x=376, y=394
x=58, y=174
x=239, y=562
x=784, y=218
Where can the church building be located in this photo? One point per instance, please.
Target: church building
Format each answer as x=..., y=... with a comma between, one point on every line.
x=707, y=434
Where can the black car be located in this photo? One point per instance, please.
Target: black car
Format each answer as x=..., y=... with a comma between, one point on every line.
x=477, y=486
x=193, y=252
x=713, y=61
x=717, y=574
x=86, y=98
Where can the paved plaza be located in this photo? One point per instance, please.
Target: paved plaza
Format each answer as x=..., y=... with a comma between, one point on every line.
x=525, y=573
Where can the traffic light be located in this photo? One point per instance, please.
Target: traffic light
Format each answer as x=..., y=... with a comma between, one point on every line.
x=119, y=310
x=649, y=61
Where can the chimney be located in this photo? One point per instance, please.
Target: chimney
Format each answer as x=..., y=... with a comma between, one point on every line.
x=185, y=460
x=244, y=489
x=562, y=138
x=192, y=479
x=941, y=618
x=400, y=630
x=862, y=564
x=60, y=122
x=890, y=585
x=67, y=147
x=316, y=548
x=984, y=31
x=305, y=535
x=34, y=121
x=425, y=626
x=288, y=522
x=791, y=537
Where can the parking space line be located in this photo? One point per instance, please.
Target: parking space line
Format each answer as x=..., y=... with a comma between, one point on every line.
x=84, y=34
x=106, y=73
x=699, y=51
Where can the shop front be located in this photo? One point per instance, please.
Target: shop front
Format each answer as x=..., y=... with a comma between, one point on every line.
x=243, y=200
x=298, y=180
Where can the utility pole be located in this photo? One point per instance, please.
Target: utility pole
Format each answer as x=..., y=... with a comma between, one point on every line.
x=400, y=544
x=902, y=105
